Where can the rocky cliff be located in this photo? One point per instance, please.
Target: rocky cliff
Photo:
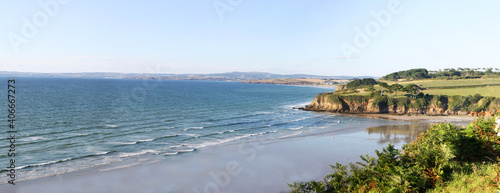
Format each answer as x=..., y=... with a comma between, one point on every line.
x=365, y=104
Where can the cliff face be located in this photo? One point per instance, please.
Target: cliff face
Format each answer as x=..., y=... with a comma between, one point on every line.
x=330, y=103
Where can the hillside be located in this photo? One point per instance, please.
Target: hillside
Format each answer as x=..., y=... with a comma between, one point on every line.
x=430, y=96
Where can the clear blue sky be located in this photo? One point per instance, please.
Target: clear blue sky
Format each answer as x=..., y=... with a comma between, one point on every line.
x=286, y=37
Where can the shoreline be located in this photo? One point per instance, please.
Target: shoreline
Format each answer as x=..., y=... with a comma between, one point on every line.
x=254, y=165
x=295, y=158
x=418, y=118
x=300, y=85
x=269, y=163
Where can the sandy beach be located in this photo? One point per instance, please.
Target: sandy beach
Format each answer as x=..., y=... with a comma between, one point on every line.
x=252, y=166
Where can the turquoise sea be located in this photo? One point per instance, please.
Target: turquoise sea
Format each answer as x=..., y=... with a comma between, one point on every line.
x=68, y=124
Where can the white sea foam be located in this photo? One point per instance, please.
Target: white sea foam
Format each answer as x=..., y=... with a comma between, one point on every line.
x=227, y=140
x=102, y=153
x=303, y=104
x=177, y=146
x=34, y=138
x=146, y=140
x=137, y=153
x=128, y=143
x=300, y=119
x=45, y=163
x=296, y=128
x=112, y=126
x=264, y=112
x=187, y=150
x=197, y=128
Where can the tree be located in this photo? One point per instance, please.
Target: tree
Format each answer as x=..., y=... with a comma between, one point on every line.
x=412, y=74
x=361, y=82
x=383, y=85
x=390, y=90
x=489, y=71
x=413, y=89
x=396, y=87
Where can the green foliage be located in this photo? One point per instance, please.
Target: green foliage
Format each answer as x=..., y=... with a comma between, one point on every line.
x=462, y=73
x=383, y=84
x=361, y=82
x=339, y=98
x=484, y=178
x=420, y=103
x=412, y=89
x=335, y=98
x=440, y=101
x=357, y=98
x=459, y=103
x=448, y=73
x=403, y=102
x=381, y=101
x=483, y=104
x=396, y=87
x=413, y=74
x=443, y=157
x=475, y=98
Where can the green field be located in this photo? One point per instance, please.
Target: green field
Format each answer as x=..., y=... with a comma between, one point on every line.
x=484, y=91
x=463, y=87
x=432, y=86
x=429, y=83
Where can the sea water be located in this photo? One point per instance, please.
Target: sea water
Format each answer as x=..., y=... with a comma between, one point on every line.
x=69, y=124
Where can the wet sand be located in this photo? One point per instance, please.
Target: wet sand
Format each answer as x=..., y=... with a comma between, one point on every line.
x=253, y=166
x=458, y=119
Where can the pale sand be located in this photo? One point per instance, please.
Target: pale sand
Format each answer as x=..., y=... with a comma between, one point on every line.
x=261, y=166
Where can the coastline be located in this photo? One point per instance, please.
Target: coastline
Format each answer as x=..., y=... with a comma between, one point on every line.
x=300, y=85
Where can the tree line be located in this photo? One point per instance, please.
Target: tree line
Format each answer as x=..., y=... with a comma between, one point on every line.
x=422, y=73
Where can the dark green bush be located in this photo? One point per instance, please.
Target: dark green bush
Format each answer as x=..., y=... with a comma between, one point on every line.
x=361, y=82
x=381, y=101
x=420, y=103
x=459, y=103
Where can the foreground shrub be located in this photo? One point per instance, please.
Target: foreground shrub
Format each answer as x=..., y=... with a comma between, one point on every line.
x=442, y=157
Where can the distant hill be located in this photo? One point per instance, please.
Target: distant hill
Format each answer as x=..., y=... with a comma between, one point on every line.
x=227, y=76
